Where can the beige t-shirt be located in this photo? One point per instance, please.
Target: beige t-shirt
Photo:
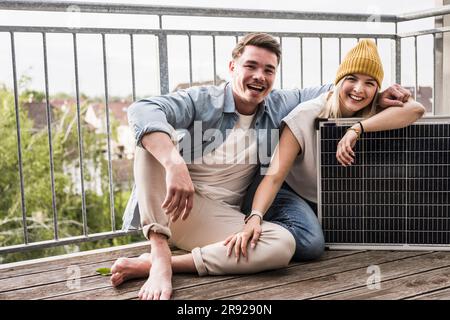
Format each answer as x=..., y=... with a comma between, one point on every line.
x=225, y=173
x=302, y=177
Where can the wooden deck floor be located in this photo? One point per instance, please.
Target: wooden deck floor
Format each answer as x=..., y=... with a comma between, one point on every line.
x=338, y=275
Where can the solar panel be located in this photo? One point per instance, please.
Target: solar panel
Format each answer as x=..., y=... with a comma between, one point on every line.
x=396, y=195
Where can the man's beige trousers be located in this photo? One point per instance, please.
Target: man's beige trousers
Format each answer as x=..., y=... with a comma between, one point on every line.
x=207, y=226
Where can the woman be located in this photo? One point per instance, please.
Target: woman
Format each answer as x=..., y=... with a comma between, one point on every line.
x=357, y=84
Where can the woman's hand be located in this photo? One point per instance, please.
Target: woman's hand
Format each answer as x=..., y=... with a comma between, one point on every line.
x=344, y=152
x=239, y=241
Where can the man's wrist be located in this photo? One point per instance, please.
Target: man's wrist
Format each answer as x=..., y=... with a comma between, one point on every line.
x=173, y=161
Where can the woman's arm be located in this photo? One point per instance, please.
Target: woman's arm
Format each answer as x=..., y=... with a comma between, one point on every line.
x=287, y=150
x=394, y=117
x=389, y=118
x=282, y=161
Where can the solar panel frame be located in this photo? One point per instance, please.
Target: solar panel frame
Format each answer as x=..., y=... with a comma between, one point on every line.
x=359, y=224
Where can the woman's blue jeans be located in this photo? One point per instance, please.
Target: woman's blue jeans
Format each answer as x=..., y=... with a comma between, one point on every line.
x=298, y=215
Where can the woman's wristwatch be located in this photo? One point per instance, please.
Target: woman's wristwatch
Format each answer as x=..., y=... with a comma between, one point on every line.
x=254, y=213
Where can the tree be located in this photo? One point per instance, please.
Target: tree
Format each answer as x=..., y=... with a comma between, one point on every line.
x=37, y=180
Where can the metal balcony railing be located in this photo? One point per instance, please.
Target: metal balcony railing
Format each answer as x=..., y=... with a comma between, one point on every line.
x=162, y=35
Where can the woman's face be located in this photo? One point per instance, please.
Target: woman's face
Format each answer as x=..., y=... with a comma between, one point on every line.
x=357, y=92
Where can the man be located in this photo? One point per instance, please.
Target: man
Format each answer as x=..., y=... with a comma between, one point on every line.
x=193, y=197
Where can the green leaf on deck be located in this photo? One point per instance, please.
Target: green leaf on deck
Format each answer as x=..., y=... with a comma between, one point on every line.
x=104, y=271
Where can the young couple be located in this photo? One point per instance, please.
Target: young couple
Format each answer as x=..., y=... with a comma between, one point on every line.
x=195, y=203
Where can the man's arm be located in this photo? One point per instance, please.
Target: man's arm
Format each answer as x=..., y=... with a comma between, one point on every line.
x=179, y=188
x=162, y=114
x=394, y=96
x=313, y=92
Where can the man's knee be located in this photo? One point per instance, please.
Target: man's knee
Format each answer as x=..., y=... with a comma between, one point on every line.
x=285, y=247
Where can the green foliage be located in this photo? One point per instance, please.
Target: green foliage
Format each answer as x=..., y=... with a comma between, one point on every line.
x=104, y=271
x=37, y=180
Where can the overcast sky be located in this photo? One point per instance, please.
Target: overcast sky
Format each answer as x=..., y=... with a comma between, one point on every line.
x=60, y=52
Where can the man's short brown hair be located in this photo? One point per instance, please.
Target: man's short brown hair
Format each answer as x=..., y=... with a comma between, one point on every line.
x=260, y=40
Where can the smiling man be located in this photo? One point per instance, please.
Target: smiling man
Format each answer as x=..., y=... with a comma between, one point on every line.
x=192, y=197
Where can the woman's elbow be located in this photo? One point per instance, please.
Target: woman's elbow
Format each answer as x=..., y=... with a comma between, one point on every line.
x=416, y=108
x=419, y=110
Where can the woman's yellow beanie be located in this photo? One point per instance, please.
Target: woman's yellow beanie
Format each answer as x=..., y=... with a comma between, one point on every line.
x=363, y=58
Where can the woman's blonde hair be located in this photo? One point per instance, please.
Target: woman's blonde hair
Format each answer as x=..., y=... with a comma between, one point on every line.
x=332, y=109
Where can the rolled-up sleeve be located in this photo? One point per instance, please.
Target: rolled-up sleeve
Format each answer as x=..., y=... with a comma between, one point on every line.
x=161, y=114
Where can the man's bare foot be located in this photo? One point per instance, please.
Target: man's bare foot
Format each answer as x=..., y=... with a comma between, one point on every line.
x=159, y=283
x=130, y=268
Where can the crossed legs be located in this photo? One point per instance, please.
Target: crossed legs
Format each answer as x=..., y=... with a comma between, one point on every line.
x=202, y=233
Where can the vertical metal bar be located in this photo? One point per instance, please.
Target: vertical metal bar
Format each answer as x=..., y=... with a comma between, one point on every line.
x=321, y=62
x=376, y=41
x=163, y=64
x=163, y=60
x=19, y=141
x=80, y=137
x=415, y=68
x=237, y=39
x=214, y=60
x=133, y=77
x=281, y=64
x=190, y=60
x=108, y=131
x=49, y=131
x=301, y=62
x=433, y=109
x=398, y=56
x=340, y=50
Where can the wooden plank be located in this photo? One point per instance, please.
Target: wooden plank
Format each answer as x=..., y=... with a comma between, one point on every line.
x=35, y=282
x=63, y=261
x=332, y=282
x=404, y=278
x=443, y=294
x=130, y=290
x=264, y=281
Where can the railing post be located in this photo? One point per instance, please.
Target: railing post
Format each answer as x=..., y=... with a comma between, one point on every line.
x=163, y=61
x=163, y=64
x=398, y=56
x=26, y=239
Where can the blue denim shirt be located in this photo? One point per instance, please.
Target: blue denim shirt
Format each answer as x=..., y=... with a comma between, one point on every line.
x=204, y=114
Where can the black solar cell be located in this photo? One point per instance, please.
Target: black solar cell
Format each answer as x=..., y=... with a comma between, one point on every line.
x=396, y=194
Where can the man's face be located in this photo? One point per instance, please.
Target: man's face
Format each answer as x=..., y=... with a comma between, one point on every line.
x=253, y=76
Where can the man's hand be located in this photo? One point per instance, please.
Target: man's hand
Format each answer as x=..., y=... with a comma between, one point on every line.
x=180, y=192
x=239, y=241
x=394, y=96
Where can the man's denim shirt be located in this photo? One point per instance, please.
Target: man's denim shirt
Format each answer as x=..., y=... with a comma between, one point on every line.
x=200, y=118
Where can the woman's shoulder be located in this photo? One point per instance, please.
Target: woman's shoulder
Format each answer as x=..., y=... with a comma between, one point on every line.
x=309, y=108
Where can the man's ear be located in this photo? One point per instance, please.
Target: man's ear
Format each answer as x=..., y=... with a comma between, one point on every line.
x=231, y=65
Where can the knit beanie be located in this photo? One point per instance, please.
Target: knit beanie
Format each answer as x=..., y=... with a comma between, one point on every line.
x=363, y=58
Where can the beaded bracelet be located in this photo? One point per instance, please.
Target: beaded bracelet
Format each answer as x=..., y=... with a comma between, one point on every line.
x=362, y=128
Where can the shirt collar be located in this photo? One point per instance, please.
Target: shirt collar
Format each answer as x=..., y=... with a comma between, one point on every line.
x=230, y=107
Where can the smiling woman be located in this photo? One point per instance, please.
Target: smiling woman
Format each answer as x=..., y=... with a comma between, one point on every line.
x=357, y=82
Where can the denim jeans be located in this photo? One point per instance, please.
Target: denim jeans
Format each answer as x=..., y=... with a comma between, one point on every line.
x=297, y=215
